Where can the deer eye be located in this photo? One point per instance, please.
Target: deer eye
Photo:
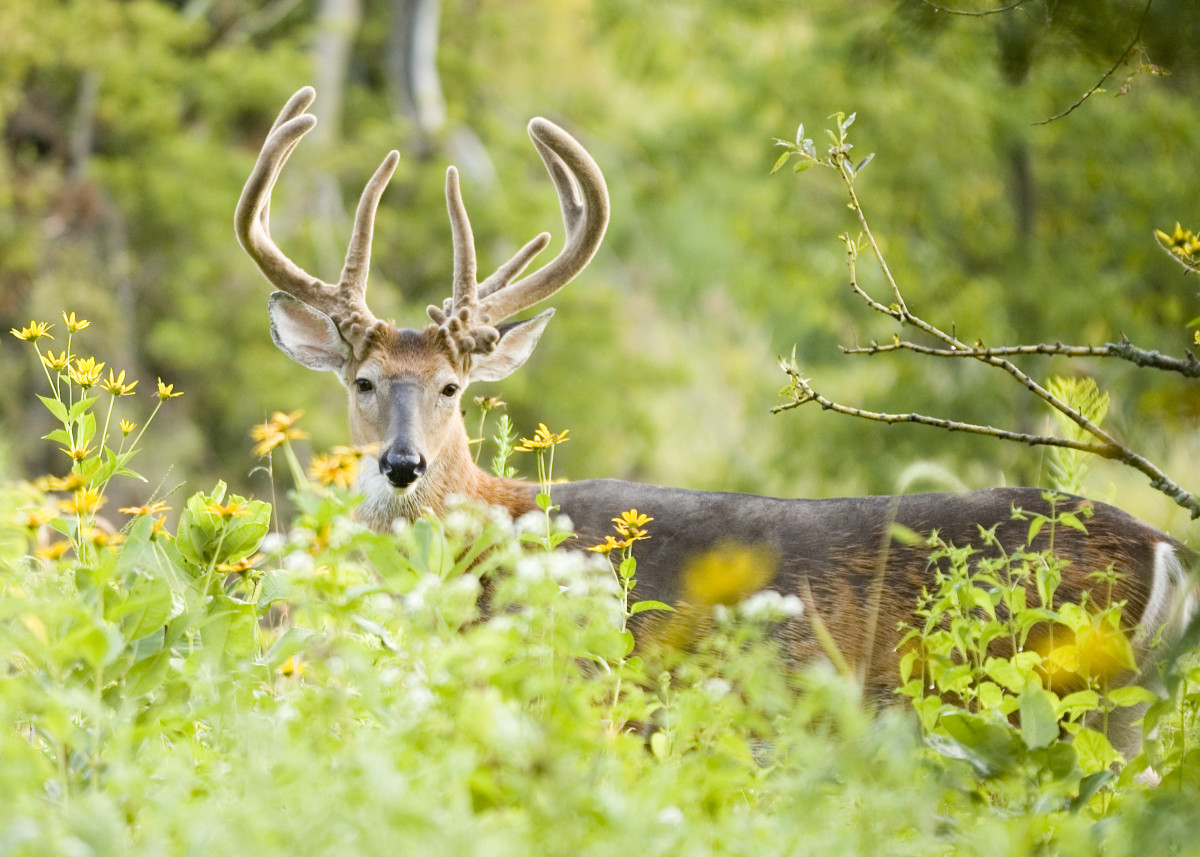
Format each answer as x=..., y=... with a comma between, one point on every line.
x=450, y=391
x=363, y=385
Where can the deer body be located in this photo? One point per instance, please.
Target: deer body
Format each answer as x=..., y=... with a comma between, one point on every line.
x=838, y=555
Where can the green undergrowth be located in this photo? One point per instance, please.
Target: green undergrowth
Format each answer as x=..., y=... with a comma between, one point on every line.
x=232, y=684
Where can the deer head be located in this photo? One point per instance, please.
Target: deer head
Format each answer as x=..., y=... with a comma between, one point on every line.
x=405, y=384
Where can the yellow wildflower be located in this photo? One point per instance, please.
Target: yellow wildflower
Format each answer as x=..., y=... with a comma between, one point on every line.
x=35, y=331
x=127, y=427
x=37, y=517
x=101, y=538
x=85, y=501
x=155, y=508
x=79, y=453
x=233, y=509
x=275, y=431
x=630, y=525
x=543, y=438
x=337, y=467
x=727, y=573
x=167, y=391
x=75, y=324
x=116, y=385
x=609, y=545
x=55, y=550
x=489, y=403
x=70, y=482
x=86, y=371
x=56, y=363
x=1183, y=244
x=244, y=564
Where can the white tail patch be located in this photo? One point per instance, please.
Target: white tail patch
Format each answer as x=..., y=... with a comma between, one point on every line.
x=1173, y=600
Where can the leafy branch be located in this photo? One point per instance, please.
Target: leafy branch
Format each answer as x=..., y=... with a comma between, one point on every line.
x=1102, y=443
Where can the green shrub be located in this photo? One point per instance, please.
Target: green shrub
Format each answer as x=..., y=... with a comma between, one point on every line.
x=312, y=687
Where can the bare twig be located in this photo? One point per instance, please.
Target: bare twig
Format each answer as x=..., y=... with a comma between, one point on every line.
x=978, y=13
x=1105, y=445
x=1137, y=37
x=801, y=392
x=1187, y=366
x=900, y=312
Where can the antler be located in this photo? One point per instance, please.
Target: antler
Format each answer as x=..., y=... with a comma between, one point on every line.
x=345, y=301
x=467, y=319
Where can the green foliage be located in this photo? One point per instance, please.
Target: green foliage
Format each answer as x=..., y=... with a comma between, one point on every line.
x=1069, y=467
x=346, y=694
x=455, y=685
x=1018, y=690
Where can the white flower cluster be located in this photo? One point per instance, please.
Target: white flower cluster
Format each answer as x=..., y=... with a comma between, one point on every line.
x=534, y=523
x=765, y=606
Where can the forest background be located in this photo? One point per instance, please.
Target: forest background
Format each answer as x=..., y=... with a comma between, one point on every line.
x=129, y=127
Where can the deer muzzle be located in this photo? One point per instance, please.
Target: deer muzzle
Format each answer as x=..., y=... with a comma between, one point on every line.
x=402, y=461
x=401, y=465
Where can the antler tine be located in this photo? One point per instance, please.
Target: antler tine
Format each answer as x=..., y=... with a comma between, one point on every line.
x=465, y=267
x=344, y=302
x=358, y=254
x=252, y=217
x=573, y=172
x=467, y=289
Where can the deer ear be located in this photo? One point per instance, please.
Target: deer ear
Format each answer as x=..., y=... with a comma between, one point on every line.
x=306, y=335
x=517, y=340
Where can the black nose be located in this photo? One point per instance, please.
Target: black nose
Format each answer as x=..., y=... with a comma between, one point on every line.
x=401, y=466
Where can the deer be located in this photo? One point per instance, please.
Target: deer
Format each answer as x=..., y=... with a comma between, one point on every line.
x=840, y=556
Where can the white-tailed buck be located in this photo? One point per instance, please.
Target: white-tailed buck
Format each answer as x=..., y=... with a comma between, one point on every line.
x=838, y=555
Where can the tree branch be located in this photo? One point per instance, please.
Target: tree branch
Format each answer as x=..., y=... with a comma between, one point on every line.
x=801, y=392
x=1187, y=366
x=976, y=14
x=1137, y=37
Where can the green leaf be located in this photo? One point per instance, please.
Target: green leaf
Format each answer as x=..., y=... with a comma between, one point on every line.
x=1124, y=697
x=1091, y=784
x=1072, y=521
x=146, y=675
x=1039, y=723
x=277, y=587
x=205, y=537
x=57, y=409
x=990, y=748
x=642, y=606
x=1076, y=704
x=79, y=408
x=292, y=642
x=144, y=609
x=87, y=428
x=627, y=637
x=1095, y=751
x=61, y=436
x=1006, y=673
x=905, y=536
x=229, y=627
x=660, y=745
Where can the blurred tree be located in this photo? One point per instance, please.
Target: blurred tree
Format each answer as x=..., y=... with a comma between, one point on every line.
x=129, y=126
